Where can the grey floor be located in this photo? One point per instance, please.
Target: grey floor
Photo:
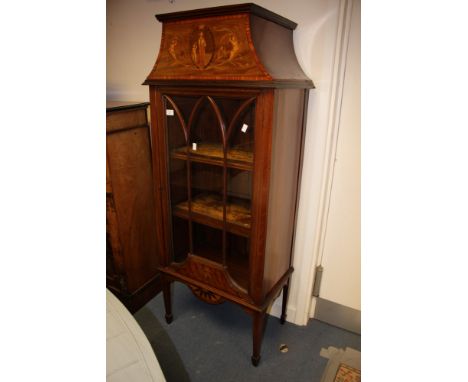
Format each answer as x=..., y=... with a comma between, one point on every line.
x=213, y=343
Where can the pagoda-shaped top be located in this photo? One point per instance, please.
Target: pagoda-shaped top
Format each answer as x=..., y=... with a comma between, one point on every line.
x=242, y=44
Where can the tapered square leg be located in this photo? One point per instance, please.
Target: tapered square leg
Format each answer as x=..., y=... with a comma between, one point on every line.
x=259, y=320
x=285, y=303
x=167, y=294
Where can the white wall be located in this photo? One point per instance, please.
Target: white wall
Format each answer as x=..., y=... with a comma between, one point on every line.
x=341, y=257
x=133, y=38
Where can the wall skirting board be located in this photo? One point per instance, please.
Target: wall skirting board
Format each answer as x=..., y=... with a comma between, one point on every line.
x=338, y=315
x=326, y=311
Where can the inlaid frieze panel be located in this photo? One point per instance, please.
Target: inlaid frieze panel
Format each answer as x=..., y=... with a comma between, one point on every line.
x=209, y=48
x=207, y=272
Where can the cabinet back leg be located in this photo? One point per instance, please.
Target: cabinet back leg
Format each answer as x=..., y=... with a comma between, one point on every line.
x=285, y=303
x=167, y=294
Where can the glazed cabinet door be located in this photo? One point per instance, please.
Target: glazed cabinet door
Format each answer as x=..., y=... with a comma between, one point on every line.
x=209, y=148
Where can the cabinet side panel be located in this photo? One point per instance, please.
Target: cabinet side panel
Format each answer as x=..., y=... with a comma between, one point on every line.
x=129, y=157
x=285, y=164
x=114, y=254
x=275, y=48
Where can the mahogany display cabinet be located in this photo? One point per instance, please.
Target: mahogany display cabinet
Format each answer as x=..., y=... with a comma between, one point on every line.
x=228, y=103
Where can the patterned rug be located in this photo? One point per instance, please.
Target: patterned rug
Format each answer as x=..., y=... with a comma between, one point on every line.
x=346, y=373
x=344, y=365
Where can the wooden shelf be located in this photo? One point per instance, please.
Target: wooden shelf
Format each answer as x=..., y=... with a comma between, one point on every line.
x=213, y=154
x=208, y=209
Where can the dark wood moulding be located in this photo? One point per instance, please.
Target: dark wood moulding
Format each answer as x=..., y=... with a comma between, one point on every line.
x=229, y=10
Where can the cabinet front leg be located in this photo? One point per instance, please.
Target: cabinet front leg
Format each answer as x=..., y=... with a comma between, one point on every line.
x=285, y=303
x=259, y=320
x=167, y=294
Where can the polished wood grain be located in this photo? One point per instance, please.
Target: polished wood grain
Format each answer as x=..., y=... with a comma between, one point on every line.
x=129, y=206
x=121, y=118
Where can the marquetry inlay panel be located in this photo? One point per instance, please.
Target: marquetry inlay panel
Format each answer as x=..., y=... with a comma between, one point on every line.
x=208, y=48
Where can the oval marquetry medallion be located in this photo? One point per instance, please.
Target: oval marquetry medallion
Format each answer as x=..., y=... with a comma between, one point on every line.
x=202, y=46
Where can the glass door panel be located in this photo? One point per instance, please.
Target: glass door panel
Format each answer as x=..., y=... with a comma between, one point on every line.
x=237, y=258
x=205, y=154
x=207, y=242
x=181, y=236
x=238, y=201
x=241, y=136
x=240, y=157
x=179, y=194
x=206, y=132
x=205, y=204
x=239, y=152
x=210, y=147
x=239, y=197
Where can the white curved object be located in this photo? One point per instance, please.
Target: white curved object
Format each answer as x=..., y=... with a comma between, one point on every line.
x=129, y=354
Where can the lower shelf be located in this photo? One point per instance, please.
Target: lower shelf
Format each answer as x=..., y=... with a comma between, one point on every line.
x=208, y=209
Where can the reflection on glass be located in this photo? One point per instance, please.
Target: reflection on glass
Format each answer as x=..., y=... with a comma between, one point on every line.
x=237, y=258
x=181, y=235
x=207, y=242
